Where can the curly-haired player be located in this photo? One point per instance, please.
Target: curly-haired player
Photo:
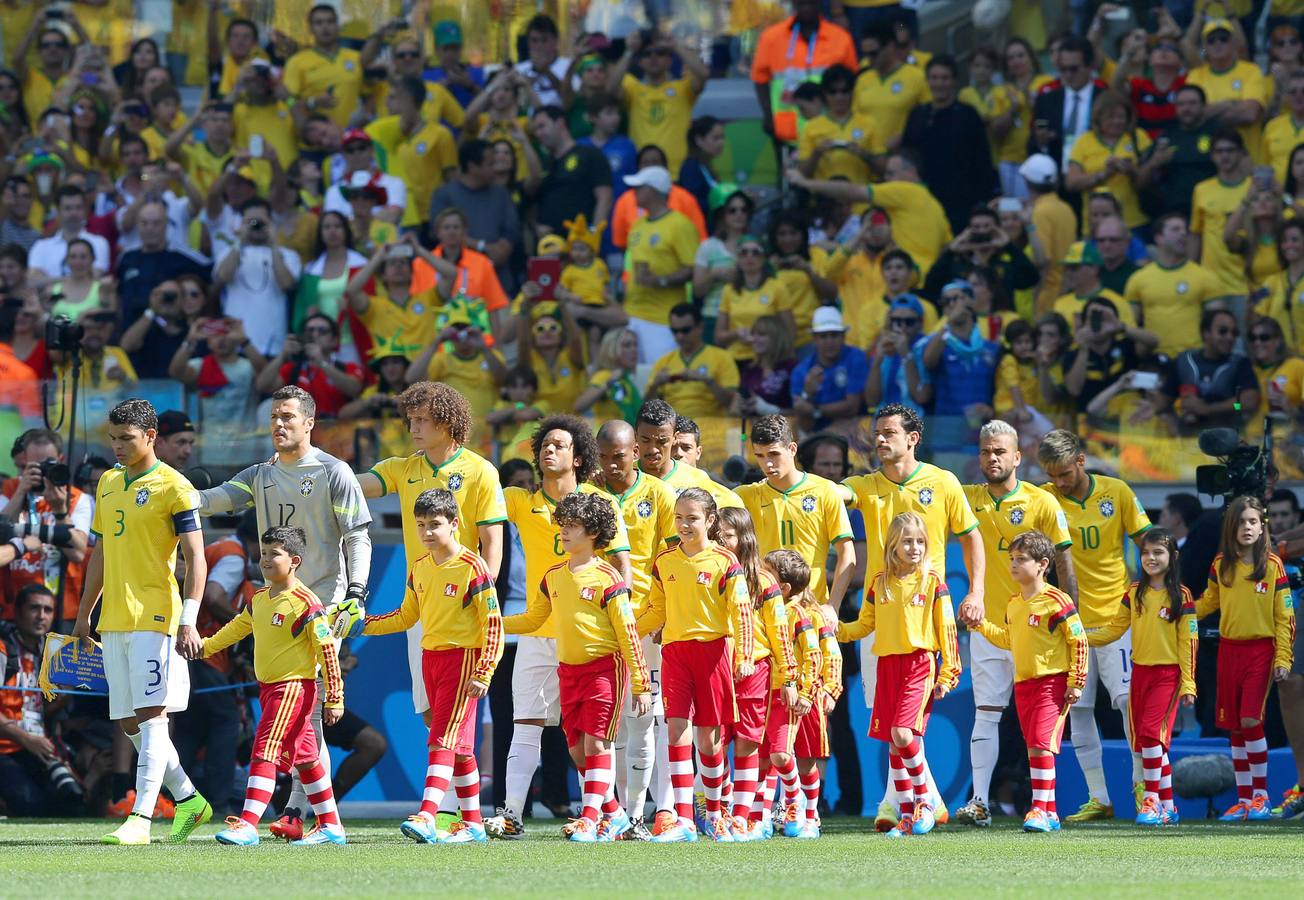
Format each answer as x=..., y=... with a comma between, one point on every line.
x=598, y=652
x=439, y=420
x=566, y=457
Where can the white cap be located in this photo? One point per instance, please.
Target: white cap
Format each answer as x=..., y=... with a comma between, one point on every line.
x=827, y=319
x=1039, y=170
x=655, y=177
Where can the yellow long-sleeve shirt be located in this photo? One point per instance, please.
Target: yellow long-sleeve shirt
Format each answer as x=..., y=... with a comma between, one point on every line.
x=909, y=614
x=291, y=639
x=1251, y=608
x=1044, y=634
x=806, y=648
x=700, y=598
x=773, y=636
x=594, y=619
x=1157, y=638
x=457, y=605
x=830, y=654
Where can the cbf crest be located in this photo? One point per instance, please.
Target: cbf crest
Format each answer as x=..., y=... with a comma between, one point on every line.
x=1016, y=516
x=455, y=481
x=926, y=497
x=644, y=509
x=142, y=496
x=1107, y=508
x=808, y=503
x=305, y=485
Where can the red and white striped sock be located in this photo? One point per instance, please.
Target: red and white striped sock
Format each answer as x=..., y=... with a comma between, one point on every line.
x=810, y=788
x=1256, y=753
x=258, y=792
x=763, y=804
x=726, y=789
x=681, y=780
x=912, y=758
x=1166, y=783
x=466, y=779
x=610, y=804
x=1241, y=764
x=1042, y=769
x=439, y=775
x=712, y=780
x=746, y=774
x=597, y=782
x=317, y=785
x=900, y=781
x=791, y=787
x=1152, y=764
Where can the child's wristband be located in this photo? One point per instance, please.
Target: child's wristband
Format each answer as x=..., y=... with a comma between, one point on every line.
x=189, y=612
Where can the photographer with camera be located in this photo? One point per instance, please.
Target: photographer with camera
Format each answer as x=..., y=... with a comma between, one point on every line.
x=224, y=376
x=34, y=777
x=51, y=521
x=257, y=275
x=103, y=366
x=983, y=243
x=311, y=361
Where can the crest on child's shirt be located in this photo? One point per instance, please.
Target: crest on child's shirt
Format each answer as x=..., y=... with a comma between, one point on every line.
x=587, y=593
x=857, y=133
x=278, y=618
x=455, y=481
x=1016, y=516
x=703, y=577
x=808, y=504
x=1261, y=587
x=450, y=590
x=926, y=497
x=1107, y=508
x=918, y=600
x=1165, y=613
x=644, y=508
x=142, y=496
x=1034, y=620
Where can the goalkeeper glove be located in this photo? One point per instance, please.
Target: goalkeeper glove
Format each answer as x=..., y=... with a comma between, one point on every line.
x=350, y=615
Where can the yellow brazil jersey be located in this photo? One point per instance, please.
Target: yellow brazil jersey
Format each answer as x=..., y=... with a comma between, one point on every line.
x=856, y=133
x=136, y=523
x=888, y=100
x=995, y=102
x=559, y=383
x=808, y=517
x=660, y=114
x=1158, y=637
x=1252, y=608
x=420, y=159
x=594, y=615
x=648, y=510
x=665, y=245
x=682, y=476
x=1171, y=301
x=440, y=105
x=471, y=479
x=862, y=277
x=155, y=138
x=311, y=73
x=541, y=537
x=1089, y=154
x=1281, y=387
x=771, y=632
x=231, y=70
x=802, y=293
x=1013, y=147
x=589, y=283
x=691, y=397
x=273, y=122
x=1211, y=203
x=699, y=598
x=203, y=166
x=908, y=614
x=1099, y=525
x=1012, y=373
x=493, y=132
x=291, y=639
x=36, y=93
x=1044, y=635
x=457, y=606
x=806, y=648
x=919, y=224
x=934, y=493
x=608, y=405
x=1001, y=520
x=1070, y=307
x=1285, y=303
x=1242, y=81
x=411, y=325
x=472, y=378
x=1280, y=136
x=744, y=305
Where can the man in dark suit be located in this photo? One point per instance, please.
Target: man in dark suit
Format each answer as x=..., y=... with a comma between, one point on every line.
x=1063, y=111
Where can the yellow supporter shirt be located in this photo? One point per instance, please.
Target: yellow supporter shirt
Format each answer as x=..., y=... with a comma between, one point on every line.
x=888, y=100
x=471, y=479
x=744, y=305
x=691, y=397
x=440, y=105
x=596, y=620
x=772, y=635
x=624, y=391
x=1013, y=148
x=648, y=510
x=1252, y=608
x=1057, y=227
x=802, y=293
x=808, y=517
x=990, y=105
x=1089, y=154
x=457, y=606
x=1158, y=637
x=136, y=522
x=1098, y=524
x=273, y=122
x=907, y=614
x=291, y=639
x=541, y=537
x=1171, y=300
x=806, y=649
x=683, y=476
x=1285, y=381
x=472, y=377
x=412, y=324
x=310, y=73
x=155, y=138
x=856, y=132
x=420, y=159
x=1285, y=303
x=231, y=70
x=699, y=598
x=1000, y=521
x=1014, y=373
x=666, y=245
x=1044, y=635
x=1211, y=203
x=202, y=165
x=1280, y=136
x=1070, y=306
x=919, y=224
x=1243, y=81
x=660, y=114
x=559, y=384
x=589, y=282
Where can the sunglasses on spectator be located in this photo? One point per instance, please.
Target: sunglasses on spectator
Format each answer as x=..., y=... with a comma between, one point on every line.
x=682, y=330
x=53, y=45
x=903, y=321
x=407, y=54
x=316, y=329
x=547, y=327
x=750, y=251
x=1286, y=42
x=1259, y=337
x=1218, y=37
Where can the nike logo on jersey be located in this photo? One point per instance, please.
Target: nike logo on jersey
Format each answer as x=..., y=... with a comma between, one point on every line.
x=415, y=480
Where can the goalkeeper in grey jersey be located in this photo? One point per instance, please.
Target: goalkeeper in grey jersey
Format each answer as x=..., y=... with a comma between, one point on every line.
x=306, y=488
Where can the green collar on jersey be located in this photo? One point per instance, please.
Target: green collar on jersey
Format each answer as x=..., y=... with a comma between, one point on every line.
x=1091, y=487
x=800, y=482
x=434, y=469
x=999, y=500
x=127, y=479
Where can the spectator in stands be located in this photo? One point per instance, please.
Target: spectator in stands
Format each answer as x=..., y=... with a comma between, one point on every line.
x=104, y=366
x=578, y=181
x=983, y=242
x=1052, y=220
x=81, y=289
x=1150, y=75
x=321, y=289
x=1168, y=295
x=311, y=360
x=660, y=107
x=754, y=291
x=1183, y=150
x=1112, y=156
x=204, y=161
x=54, y=57
x=890, y=88
x=357, y=168
x=1281, y=377
x=797, y=49
x=627, y=210
x=662, y=251
x=257, y=275
x=765, y=381
x=47, y=256
x=713, y=265
x=146, y=183
x=176, y=439
x=1281, y=134
x=706, y=141
x=1082, y=278
x=15, y=221
x=612, y=392
x=894, y=367
x=325, y=76
x=438, y=105
x=604, y=133
x=419, y=151
x=697, y=379
x=829, y=382
x=154, y=261
x=1180, y=513
x=223, y=376
x=393, y=309
x=493, y=226
x=1234, y=88
x=261, y=109
x=1212, y=202
x=933, y=130
x=1284, y=291
x=458, y=357
x=1063, y=113
x=1102, y=362
x=961, y=365
x=1111, y=237
x=474, y=283
x=1212, y=385
x=840, y=142
x=153, y=338
x=22, y=352
x=545, y=66
x=464, y=81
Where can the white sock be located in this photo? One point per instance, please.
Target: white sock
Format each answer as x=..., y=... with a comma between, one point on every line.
x=619, y=774
x=155, y=749
x=522, y=759
x=663, y=796
x=984, y=749
x=934, y=795
x=1086, y=745
x=1137, y=769
x=639, y=756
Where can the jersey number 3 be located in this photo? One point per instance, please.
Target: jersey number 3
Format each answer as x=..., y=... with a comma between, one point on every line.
x=120, y=519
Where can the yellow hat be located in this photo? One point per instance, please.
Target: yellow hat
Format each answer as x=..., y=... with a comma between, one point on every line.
x=1216, y=25
x=551, y=243
x=580, y=231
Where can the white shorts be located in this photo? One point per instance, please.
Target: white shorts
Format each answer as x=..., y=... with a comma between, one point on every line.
x=1111, y=664
x=993, y=672
x=652, y=659
x=868, y=669
x=419, y=701
x=144, y=669
x=536, y=693
x=654, y=339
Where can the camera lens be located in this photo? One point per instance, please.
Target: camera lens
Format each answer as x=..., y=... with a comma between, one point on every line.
x=169, y=296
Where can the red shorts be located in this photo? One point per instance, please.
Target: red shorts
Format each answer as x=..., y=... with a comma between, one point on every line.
x=1244, y=676
x=697, y=682
x=591, y=697
x=285, y=736
x=447, y=674
x=1152, y=703
x=903, y=697
x=1042, y=710
x=812, y=739
x=753, y=698
x=779, y=730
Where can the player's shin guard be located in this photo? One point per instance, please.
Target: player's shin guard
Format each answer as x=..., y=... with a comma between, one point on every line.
x=1042, y=769
x=155, y=751
x=1241, y=765
x=466, y=781
x=1152, y=760
x=522, y=760
x=899, y=782
x=597, y=784
x=1166, y=783
x=1256, y=754
x=712, y=779
x=681, y=779
x=258, y=792
x=1086, y=745
x=984, y=750
x=439, y=775
x=810, y=789
x=746, y=774
x=319, y=793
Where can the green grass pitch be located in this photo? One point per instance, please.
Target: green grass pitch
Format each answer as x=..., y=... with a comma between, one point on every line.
x=1262, y=860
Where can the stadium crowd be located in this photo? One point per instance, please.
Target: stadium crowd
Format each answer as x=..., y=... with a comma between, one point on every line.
x=1085, y=230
